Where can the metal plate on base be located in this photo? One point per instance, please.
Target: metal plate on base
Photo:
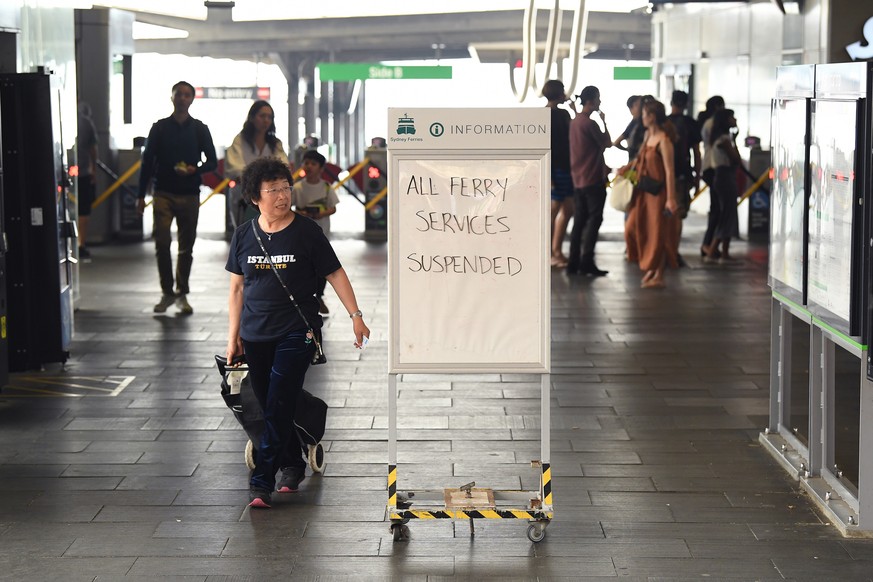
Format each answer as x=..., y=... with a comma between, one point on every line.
x=477, y=498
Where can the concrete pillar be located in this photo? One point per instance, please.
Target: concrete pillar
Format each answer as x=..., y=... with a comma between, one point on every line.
x=339, y=113
x=306, y=71
x=324, y=106
x=288, y=63
x=101, y=34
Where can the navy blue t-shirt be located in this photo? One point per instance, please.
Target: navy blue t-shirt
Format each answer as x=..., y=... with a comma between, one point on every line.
x=302, y=254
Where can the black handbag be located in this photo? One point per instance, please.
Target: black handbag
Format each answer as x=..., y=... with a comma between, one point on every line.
x=318, y=356
x=650, y=185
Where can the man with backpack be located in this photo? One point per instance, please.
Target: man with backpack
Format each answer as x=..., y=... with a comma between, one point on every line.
x=172, y=163
x=686, y=159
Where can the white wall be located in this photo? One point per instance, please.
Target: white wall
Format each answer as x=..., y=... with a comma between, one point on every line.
x=734, y=49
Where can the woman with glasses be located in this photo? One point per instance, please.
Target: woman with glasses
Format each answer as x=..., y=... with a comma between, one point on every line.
x=265, y=325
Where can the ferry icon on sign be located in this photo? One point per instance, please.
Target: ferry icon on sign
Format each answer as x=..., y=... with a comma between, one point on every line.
x=406, y=125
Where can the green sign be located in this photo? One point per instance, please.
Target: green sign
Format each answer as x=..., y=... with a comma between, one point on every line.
x=356, y=71
x=632, y=73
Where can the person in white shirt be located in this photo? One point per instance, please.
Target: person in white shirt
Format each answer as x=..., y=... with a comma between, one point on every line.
x=313, y=197
x=725, y=160
x=707, y=169
x=256, y=140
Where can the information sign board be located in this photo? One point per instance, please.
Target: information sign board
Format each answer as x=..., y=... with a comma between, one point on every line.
x=469, y=240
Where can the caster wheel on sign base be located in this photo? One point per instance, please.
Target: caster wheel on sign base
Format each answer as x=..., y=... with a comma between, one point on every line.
x=399, y=532
x=536, y=533
x=316, y=458
x=250, y=455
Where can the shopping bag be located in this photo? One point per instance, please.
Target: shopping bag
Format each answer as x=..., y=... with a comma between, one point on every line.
x=621, y=193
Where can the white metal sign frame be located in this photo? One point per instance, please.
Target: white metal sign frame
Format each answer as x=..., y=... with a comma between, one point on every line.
x=503, y=272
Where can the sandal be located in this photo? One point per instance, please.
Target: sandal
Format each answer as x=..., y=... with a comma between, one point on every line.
x=654, y=284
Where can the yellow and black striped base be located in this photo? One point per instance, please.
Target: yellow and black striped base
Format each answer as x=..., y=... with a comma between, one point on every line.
x=470, y=514
x=392, y=485
x=543, y=514
x=547, y=484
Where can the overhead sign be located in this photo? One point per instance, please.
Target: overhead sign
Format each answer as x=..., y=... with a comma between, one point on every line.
x=468, y=128
x=364, y=71
x=249, y=93
x=632, y=73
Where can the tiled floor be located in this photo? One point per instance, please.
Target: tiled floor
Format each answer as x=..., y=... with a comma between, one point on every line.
x=658, y=398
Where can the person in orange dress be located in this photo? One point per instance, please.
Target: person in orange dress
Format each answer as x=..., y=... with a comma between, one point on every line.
x=650, y=227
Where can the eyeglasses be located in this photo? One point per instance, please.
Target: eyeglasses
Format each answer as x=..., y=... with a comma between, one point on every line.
x=276, y=191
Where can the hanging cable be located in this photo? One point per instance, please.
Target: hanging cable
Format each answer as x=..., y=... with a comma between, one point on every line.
x=552, y=37
x=526, y=61
x=577, y=44
x=551, y=57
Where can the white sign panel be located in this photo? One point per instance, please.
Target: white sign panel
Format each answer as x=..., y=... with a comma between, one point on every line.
x=469, y=259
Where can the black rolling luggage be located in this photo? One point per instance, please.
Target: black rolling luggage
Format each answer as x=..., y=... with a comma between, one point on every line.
x=309, y=423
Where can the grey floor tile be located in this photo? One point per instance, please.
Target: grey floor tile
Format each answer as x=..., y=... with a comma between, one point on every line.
x=84, y=547
x=672, y=568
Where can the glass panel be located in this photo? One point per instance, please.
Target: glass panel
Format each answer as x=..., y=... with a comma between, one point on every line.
x=831, y=203
x=847, y=400
x=788, y=202
x=797, y=415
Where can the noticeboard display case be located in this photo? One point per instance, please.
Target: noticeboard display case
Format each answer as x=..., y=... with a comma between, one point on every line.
x=837, y=284
x=821, y=387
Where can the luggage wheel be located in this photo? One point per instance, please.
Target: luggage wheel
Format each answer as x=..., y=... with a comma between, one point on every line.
x=316, y=457
x=250, y=455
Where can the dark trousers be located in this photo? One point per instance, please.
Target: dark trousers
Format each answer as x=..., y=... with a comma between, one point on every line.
x=587, y=218
x=713, y=218
x=724, y=190
x=185, y=210
x=276, y=372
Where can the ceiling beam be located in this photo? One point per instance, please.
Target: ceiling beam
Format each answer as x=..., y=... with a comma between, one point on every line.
x=368, y=39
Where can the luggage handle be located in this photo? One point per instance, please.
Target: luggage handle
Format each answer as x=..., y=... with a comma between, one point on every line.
x=238, y=364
